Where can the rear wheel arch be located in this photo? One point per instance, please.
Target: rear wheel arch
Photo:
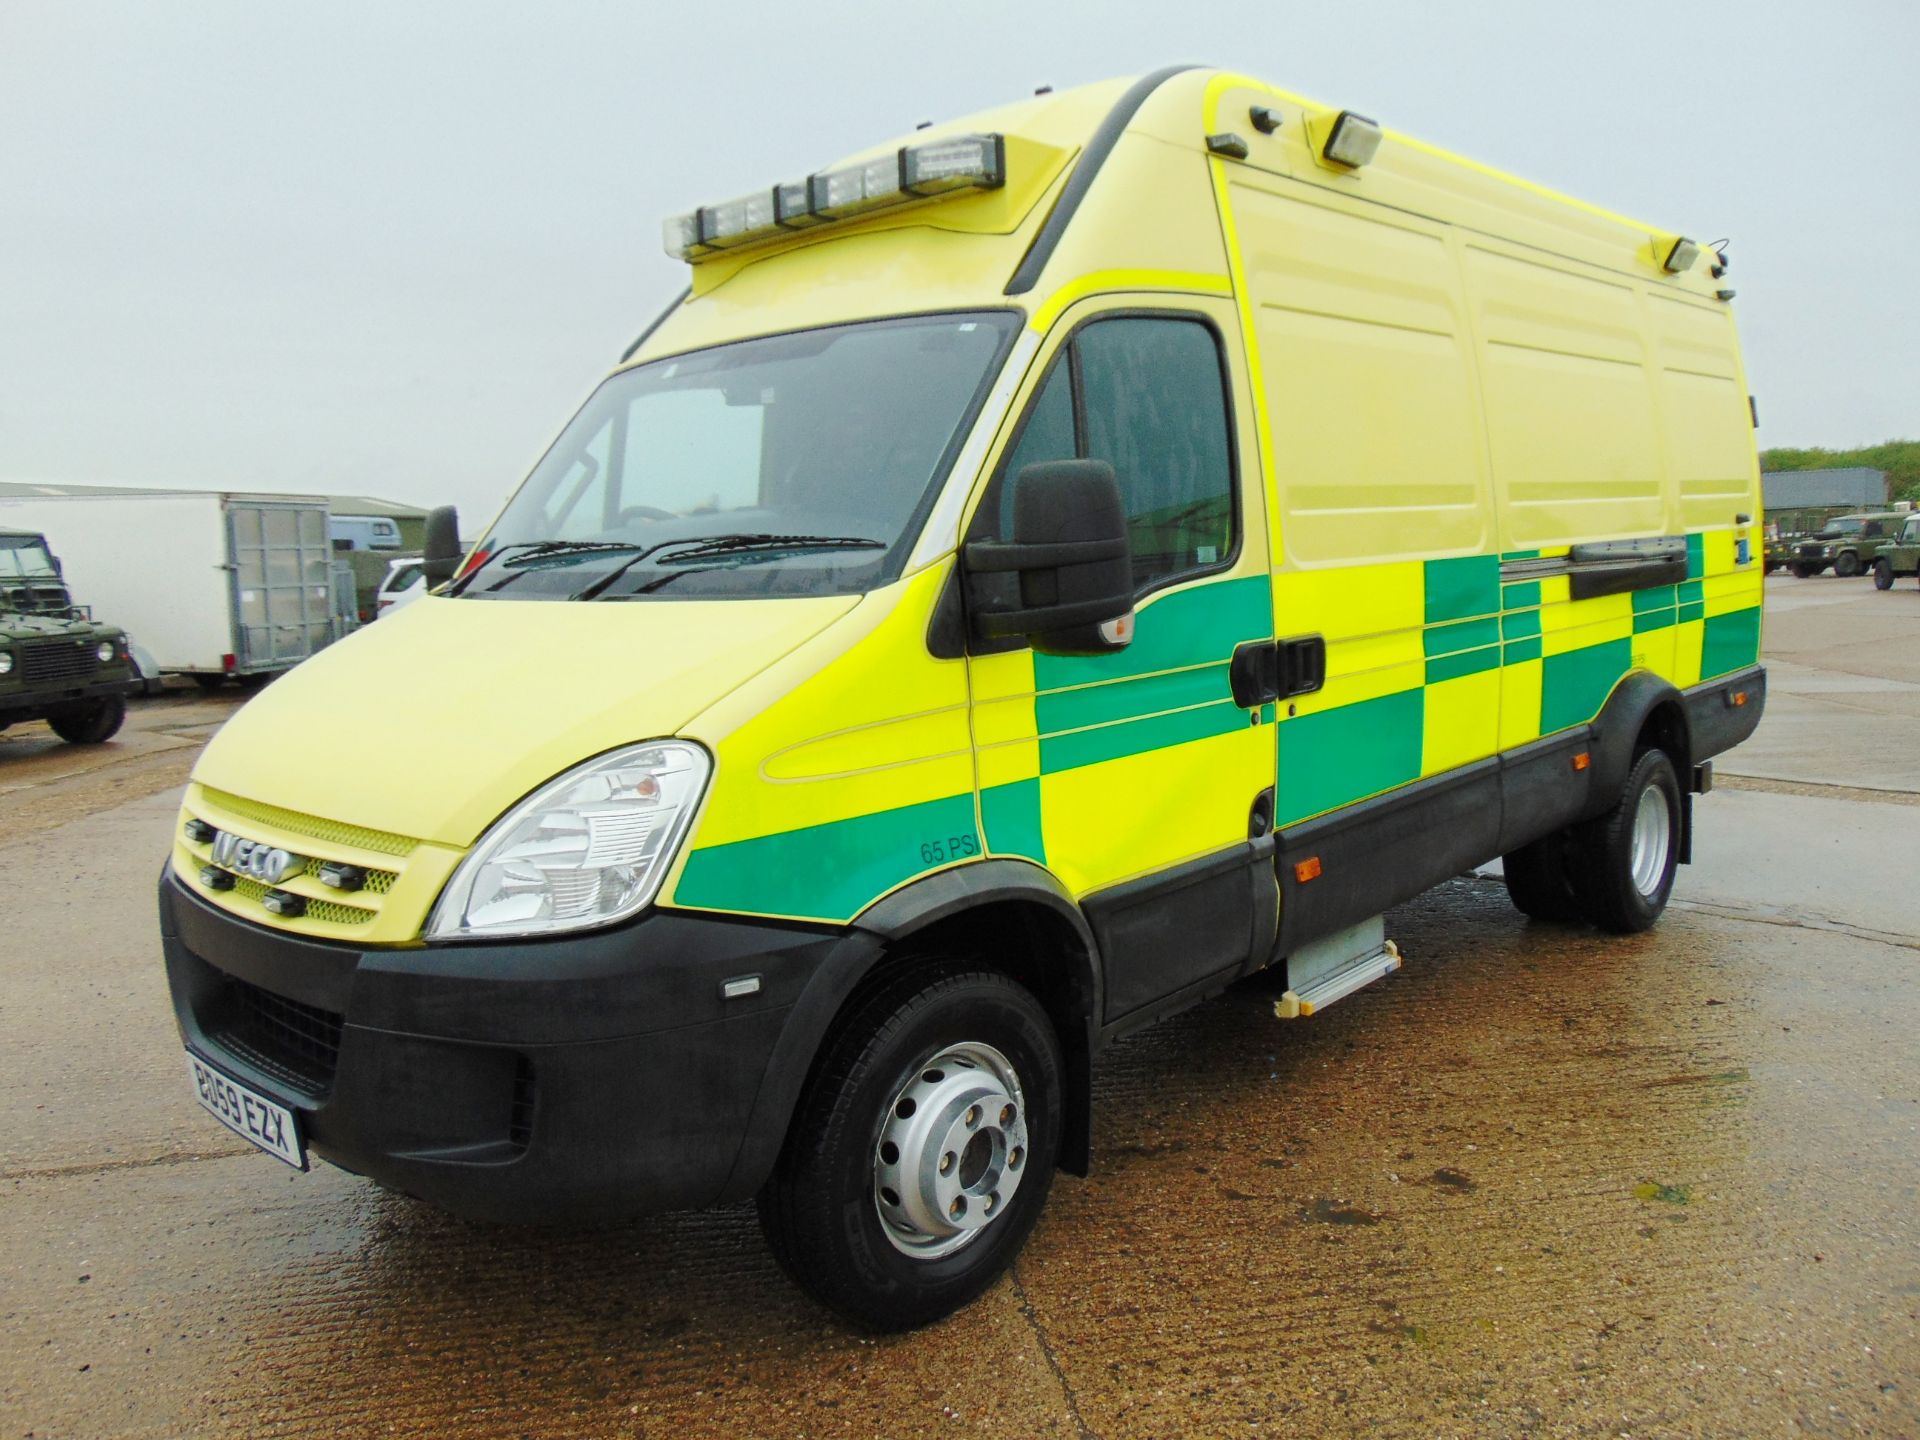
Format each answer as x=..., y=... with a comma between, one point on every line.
x=1644, y=712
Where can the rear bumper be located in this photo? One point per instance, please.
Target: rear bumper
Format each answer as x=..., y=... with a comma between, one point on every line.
x=579, y=1079
x=1723, y=712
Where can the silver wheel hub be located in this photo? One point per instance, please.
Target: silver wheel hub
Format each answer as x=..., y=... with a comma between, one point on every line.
x=1652, y=837
x=952, y=1151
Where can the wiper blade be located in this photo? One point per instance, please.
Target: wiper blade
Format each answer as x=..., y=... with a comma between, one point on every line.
x=718, y=546
x=545, y=549
x=530, y=550
x=736, y=544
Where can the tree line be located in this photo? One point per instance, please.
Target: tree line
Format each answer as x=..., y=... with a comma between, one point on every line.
x=1899, y=458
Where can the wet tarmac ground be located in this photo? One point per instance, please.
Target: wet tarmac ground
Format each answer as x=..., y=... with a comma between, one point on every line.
x=1540, y=1182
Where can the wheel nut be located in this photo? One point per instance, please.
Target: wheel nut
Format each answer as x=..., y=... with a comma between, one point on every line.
x=946, y=1162
x=973, y=1116
x=1006, y=1116
x=958, y=1207
x=1014, y=1157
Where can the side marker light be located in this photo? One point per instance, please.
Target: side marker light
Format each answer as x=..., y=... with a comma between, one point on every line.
x=1228, y=144
x=1307, y=869
x=1583, y=760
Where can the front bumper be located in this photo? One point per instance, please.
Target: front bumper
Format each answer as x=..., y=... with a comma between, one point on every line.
x=571, y=1080
x=38, y=703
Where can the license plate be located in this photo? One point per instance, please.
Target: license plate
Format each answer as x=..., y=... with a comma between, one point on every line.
x=247, y=1113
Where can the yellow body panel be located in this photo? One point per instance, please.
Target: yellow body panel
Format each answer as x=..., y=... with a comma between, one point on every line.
x=1441, y=378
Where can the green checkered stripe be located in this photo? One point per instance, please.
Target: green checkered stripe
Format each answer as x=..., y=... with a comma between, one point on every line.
x=1476, y=623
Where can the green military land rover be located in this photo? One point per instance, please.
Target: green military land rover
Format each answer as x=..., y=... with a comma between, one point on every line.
x=1846, y=542
x=1899, y=556
x=56, y=664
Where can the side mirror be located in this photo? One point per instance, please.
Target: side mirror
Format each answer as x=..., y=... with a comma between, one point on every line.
x=1069, y=548
x=441, y=554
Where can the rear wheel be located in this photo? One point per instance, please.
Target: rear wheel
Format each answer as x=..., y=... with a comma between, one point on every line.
x=1846, y=564
x=1540, y=882
x=1882, y=574
x=89, y=723
x=1625, y=860
x=208, y=682
x=922, y=1149
x=1806, y=572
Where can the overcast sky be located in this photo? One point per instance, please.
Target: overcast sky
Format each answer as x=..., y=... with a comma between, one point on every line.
x=387, y=248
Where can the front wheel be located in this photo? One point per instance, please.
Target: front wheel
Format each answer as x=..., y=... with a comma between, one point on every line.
x=90, y=723
x=1624, y=861
x=1846, y=564
x=922, y=1149
x=1806, y=572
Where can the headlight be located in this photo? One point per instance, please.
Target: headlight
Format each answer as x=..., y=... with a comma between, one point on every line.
x=588, y=848
x=105, y=651
x=6, y=662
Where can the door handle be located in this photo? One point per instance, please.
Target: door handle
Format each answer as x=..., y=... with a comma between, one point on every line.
x=1267, y=670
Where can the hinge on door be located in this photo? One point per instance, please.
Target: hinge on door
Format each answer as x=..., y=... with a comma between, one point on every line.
x=1267, y=670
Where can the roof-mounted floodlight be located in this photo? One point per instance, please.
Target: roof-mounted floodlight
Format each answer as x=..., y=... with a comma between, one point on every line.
x=913, y=172
x=1352, y=141
x=1680, y=255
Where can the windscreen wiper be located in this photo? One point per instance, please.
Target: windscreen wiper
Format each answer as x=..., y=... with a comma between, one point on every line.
x=529, y=551
x=720, y=546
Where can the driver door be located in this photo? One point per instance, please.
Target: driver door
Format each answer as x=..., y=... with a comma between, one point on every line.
x=1137, y=778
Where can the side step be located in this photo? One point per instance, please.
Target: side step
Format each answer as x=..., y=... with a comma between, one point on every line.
x=1333, y=968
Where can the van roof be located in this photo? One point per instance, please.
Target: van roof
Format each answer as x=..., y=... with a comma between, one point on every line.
x=1100, y=182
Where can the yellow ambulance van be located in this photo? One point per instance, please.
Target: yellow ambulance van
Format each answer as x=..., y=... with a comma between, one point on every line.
x=1045, y=568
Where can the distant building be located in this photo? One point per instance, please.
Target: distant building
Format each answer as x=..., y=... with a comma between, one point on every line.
x=1853, y=485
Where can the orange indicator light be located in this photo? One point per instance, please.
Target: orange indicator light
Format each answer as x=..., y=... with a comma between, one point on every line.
x=1307, y=869
x=1582, y=760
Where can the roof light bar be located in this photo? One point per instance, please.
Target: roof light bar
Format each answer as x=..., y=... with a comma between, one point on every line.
x=914, y=172
x=1352, y=141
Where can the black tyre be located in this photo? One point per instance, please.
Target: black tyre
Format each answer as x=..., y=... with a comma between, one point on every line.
x=1540, y=882
x=89, y=723
x=209, y=683
x=1805, y=572
x=922, y=1149
x=1882, y=574
x=1846, y=564
x=1624, y=861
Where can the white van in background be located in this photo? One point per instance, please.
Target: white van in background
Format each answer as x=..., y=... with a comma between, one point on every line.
x=405, y=583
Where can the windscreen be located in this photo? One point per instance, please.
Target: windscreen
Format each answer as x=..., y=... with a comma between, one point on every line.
x=797, y=464
x=25, y=557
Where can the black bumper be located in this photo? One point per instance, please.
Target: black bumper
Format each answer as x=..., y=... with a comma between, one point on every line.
x=579, y=1079
x=39, y=703
x=1724, y=711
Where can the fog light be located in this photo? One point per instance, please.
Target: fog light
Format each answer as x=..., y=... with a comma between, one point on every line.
x=342, y=877
x=214, y=878
x=285, y=904
x=199, y=832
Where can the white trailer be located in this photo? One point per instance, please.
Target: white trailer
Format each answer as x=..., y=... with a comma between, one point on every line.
x=211, y=583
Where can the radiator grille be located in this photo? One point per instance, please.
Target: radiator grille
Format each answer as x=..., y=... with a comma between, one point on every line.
x=58, y=659
x=295, y=1043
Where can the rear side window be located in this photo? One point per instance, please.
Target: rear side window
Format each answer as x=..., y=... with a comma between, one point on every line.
x=1147, y=395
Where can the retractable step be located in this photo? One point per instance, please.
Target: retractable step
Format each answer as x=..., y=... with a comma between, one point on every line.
x=1333, y=968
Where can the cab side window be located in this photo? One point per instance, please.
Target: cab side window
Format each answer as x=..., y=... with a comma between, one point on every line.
x=1146, y=395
